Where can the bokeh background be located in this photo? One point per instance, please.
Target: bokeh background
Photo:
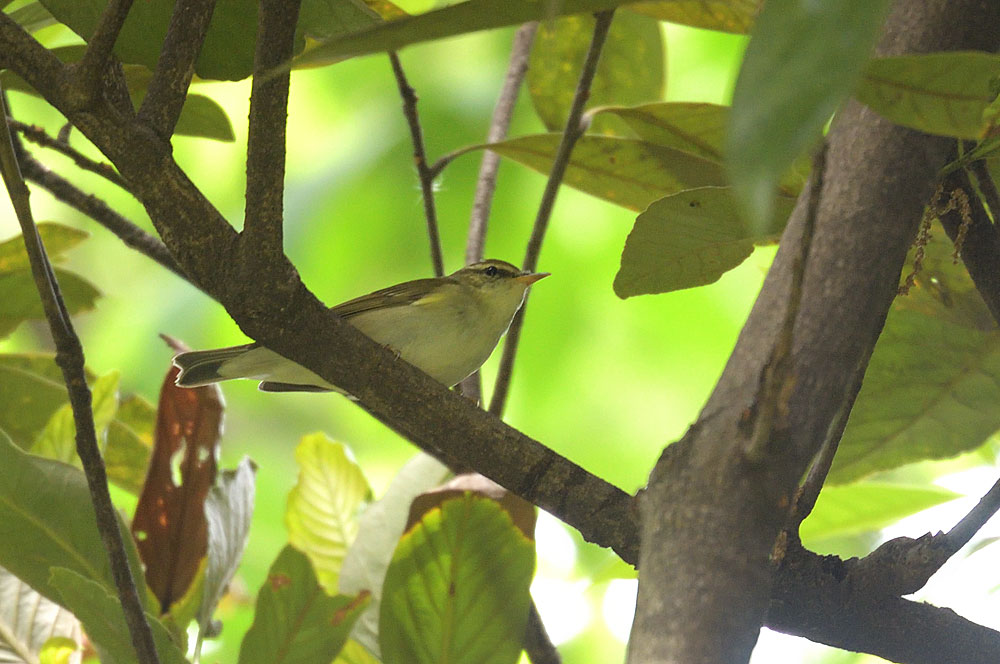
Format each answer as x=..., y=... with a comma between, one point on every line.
x=604, y=381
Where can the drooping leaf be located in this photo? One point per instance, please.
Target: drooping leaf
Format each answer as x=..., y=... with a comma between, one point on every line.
x=932, y=389
x=457, y=19
x=58, y=439
x=28, y=621
x=630, y=70
x=19, y=300
x=46, y=521
x=938, y=93
x=169, y=521
x=803, y=59
x=295, y=620
x=228, y=511
x=624, y=171
x=689, y=239
x=104, y=620
x=324, y=506
x=380, y=527
x=726, y=15
x=866, y=506
x=457, y=588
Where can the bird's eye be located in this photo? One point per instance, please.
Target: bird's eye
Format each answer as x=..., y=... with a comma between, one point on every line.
x=491, y=271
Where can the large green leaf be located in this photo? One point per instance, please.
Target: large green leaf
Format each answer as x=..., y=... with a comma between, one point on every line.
x=630, y=70
x=129, y=441
x=939, y=93
x=46, y=521
x=457, y=588
x=324, y=505
x=689, y=239
x=727, y=15
x=866, y=506
x=296, y=621
x=19, y=300
x=932, y=389
x=624, y=171
x=803, y=60
x=28, y=621
x=104, y=621
x=457, y=19
x=58, y=439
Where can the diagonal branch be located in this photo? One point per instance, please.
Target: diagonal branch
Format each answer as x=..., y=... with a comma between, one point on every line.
x=69, y=357
x=573, y=131
x=38, y=136
x=89, y=72
x=168, y=88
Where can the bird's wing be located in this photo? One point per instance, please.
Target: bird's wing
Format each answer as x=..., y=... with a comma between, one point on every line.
x=393, y=296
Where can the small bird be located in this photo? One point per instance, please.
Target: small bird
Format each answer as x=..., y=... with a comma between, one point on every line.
x=446, y=327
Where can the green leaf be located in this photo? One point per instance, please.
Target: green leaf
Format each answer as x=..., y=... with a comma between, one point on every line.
x=326, y=19
x=726, y=15
x=31, y=390
x=204, y=117
x=101, y=613
x=932, y=389
x=33, y=17
x=28, y=621
x=630, y=70
x=938, y=93
x=46, y=520
x=295, y=620
x=803, y=59
x=689, y=239
x=129, y=443
x=866, y=506
x=58, y=650
x=58, y=439
x=624, y=171
x=19, y=300
x=381, y=526
x=457, y=19
x=324, y=506
x=693, y=127
x=228, y=512
x=355, y=653
x=457, y=588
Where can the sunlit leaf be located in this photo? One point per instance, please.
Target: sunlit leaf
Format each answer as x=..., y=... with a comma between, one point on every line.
x=624, y=171
x=31, y=390
x=866, y=506
x=169, y=521
x=803, y=59
x=58, y=439
x=129, y=443
x=228, y=511
x=32, y=17
x=726, y=15
x=102, y=616
x=522, y=513
x=295, y=620
x=59, y=650
x=355, y=653
x=697, y=128
x=938, y=93
x=630, y=70
x=324, y=505
x=690, y=239
x=28, y=621
x=46, y=520
x=380, y=528
x=460, y=18
x=457, y=588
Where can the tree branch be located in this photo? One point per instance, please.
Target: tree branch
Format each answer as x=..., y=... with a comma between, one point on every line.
x=38, y=136
x=420, y=160
x=573, y=131
x=89, y=72
x=168, y=88
x=69, y=357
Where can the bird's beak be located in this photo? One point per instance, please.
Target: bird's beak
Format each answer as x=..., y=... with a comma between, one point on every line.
x=530, y=278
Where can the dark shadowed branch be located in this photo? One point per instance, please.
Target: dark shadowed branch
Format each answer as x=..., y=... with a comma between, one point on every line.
x=38, y=136
x=69, y=357
x=89, y=72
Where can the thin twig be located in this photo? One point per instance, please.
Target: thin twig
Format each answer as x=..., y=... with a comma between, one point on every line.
x=90, y=70
x=69, y=357
x=560, y=162
x=777, y=380
x=520, y=52
x=420, y=160
x=988, y=187
x=38, y=136
x=168, y=88
x=963, y=531
x=264, y=216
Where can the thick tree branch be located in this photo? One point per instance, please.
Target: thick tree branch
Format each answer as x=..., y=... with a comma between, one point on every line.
x=426, y=178
x=262, y=230
x=89, y=72
x=573, y=131
x=167, y=91
x=69, y=357
x=710, y=520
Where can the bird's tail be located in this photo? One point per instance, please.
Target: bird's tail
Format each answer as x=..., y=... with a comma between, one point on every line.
x=201, y=367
